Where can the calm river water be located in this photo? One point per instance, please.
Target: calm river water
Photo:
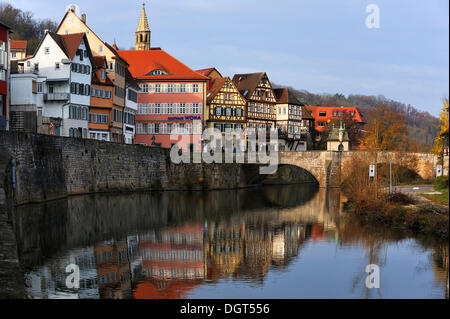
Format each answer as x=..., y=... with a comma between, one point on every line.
x=269, y=242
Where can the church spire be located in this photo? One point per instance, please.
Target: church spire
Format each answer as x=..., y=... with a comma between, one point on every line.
x=143, y=22
x=143, y=33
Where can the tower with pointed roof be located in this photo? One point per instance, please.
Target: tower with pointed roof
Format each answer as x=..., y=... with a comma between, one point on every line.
x=143, y=33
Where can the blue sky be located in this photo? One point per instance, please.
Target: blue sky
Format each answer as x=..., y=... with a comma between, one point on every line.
x=320, y=46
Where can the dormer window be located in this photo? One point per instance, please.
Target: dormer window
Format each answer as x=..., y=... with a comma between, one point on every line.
x=158, y=72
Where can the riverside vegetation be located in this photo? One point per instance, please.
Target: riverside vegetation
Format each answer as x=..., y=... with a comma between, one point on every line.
x=368, y=201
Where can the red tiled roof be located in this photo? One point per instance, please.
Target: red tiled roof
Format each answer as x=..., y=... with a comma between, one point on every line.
x=69, y=43
x=315, y=110
x=145, y=61
x=216, y=85
x=72, y=42
x=18, y=44
x=207, y=72
x=100, y=61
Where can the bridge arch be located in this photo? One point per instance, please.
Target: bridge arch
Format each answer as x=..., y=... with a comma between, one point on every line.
x=323, y=165
x=285, y=174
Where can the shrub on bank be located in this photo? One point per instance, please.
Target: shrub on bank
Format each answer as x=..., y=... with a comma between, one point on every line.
x=441, y=182
x=395, y=210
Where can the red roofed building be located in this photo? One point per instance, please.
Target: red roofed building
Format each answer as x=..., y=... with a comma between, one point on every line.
x=18, y=49
x=4, y=73
x=325, y=115
x=172, y=98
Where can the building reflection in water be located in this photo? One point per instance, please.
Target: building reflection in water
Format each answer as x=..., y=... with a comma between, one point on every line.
x=165, y=250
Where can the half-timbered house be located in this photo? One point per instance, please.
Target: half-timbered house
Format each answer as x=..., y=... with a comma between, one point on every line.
x=226, y=107
x=261, y=102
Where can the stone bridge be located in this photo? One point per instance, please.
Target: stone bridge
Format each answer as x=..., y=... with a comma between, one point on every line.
x=326, y=166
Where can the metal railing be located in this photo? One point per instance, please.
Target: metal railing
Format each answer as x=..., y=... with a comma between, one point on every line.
x=56, y=96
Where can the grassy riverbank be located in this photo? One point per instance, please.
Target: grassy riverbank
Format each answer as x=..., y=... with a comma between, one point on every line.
x=370, y=204
x=440, y=185
x=402, y=212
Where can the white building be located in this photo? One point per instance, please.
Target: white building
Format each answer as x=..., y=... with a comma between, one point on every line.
x=131, y=106
x=65, y=62
x=24, y=106
x=294, y=122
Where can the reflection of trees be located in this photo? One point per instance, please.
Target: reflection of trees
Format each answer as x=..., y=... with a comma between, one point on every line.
x=374, y=240
x=440, y=266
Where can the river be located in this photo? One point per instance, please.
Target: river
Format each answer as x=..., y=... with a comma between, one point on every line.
x=268, y=242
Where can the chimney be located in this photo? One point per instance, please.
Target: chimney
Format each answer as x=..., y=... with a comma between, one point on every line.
x=45, y=31
x=83, y=17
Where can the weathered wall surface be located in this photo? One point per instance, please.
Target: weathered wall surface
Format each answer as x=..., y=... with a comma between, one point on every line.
x=49, y=167
x=422, y=163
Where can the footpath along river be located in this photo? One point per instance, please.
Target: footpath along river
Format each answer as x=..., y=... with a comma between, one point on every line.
x=268, y=242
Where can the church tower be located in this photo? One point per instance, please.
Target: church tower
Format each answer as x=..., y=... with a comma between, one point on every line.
x=142, y=41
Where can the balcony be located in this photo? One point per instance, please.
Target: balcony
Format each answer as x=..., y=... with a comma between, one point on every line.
x=56, y=96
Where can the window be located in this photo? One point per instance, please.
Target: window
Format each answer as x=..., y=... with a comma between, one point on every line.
x=228, y=96
x=40, y=87
x=157, y=72
x=195, y=108
x=322, y=113
x=36, y=67
x=57, y=65
x=103, y=74
x=132, y=96
x=218, y=111
x=144, y=88
x=228, y=111
x=182, y=88
x=100, y=48
x=195, y=88
x=51, y=88
x=119, y=92
x=169, y=108
x=13, y=54
x=158, y=88
x=157, y=108
x=170, y=88
x=182, y=108
x=87, y=89
x=47, y=50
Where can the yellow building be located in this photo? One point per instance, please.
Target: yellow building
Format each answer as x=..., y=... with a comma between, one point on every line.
x=18, y=49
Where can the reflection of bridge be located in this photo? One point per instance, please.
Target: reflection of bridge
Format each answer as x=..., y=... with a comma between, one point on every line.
x=326, y=166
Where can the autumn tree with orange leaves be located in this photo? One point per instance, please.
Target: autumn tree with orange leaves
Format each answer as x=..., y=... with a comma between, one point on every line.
x=386, y=130
x=438, y=147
